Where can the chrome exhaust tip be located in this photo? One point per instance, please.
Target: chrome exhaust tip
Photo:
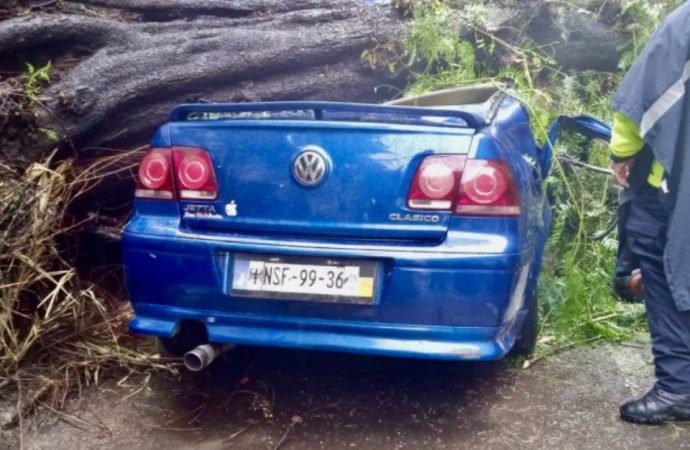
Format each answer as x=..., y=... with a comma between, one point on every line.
x=202, y=356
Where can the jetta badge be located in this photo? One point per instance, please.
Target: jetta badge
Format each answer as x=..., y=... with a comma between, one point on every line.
x=310, y=167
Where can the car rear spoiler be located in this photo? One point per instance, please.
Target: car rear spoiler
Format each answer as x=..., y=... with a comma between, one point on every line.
x=332, y=111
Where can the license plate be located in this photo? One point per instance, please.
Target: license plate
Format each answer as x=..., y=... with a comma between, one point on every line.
x=306, y=279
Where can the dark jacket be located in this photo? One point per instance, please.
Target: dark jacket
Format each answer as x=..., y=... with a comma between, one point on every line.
x=654, y=95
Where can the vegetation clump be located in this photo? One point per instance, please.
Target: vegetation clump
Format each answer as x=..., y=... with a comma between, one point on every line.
x=57, y=330
x=20, y=105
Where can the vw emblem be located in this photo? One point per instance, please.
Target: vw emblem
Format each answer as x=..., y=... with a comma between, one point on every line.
x=310, y=167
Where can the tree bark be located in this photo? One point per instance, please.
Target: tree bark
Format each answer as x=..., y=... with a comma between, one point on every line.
x=120, y=65
x=133, y=69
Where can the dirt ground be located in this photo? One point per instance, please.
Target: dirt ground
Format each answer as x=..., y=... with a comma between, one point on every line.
x=268, y=398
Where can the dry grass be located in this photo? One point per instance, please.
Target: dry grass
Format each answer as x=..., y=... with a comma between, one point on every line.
x=57, y=331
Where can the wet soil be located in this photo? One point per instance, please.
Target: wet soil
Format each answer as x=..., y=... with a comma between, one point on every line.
x=267, y=398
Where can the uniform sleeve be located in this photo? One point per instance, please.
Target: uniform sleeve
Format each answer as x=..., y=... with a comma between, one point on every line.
x=626, y=141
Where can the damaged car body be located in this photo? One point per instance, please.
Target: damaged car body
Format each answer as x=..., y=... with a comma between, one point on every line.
x=410, y=229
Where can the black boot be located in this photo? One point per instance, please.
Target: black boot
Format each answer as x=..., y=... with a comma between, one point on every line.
x=657, y=406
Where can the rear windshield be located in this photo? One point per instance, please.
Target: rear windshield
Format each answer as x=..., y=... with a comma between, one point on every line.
x=292, y=114
x=331, y=115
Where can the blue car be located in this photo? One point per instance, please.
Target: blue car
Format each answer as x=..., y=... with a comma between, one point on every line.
x=410, y=229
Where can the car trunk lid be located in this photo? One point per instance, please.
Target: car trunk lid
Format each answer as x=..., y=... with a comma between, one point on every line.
x=339, y=176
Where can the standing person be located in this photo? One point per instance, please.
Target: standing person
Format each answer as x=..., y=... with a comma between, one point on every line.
x=651, y=136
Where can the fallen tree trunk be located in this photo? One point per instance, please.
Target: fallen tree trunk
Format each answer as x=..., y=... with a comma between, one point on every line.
x=133, y=69
x=120, y=65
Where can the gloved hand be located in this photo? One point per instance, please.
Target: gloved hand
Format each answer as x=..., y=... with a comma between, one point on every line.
x=621, y=171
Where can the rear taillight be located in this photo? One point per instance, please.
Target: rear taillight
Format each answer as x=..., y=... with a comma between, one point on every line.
x=194, y=174
x=464, y=186
x=435, y=184
x=487, y=188
x=155, y=176
x=181, y=172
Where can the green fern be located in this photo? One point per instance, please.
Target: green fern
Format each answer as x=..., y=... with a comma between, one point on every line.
x=36, y=77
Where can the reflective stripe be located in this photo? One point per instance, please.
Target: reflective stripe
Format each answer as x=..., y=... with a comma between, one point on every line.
x=660, y=107
x=664, y=186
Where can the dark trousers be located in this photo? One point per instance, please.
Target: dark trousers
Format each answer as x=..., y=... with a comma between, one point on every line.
x=670, y=329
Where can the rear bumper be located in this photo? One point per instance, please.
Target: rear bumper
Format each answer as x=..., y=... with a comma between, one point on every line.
x=430, y=342
x=432, y=303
